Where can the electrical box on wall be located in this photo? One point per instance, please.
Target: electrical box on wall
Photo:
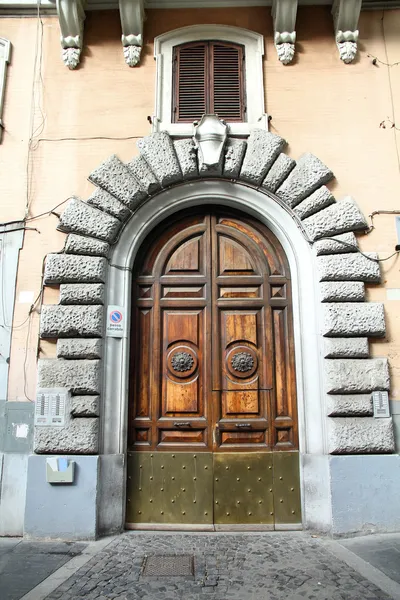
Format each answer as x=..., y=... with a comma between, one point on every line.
x=60, y=470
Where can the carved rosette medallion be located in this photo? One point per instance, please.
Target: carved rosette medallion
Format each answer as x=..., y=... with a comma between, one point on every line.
x=242, y=361
x=182, y=361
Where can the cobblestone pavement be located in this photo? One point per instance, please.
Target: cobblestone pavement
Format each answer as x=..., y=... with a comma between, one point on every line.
x=268, y=566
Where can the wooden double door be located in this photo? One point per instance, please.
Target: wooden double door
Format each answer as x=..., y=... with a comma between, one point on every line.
x=212, y=418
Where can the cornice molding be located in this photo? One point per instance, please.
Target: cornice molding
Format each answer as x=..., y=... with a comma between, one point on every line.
x=284, y=14
x=346, y=14
x=71, y=14
x=132, y=16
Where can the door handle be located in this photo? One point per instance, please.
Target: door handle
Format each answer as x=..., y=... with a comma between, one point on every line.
x=243, y=424
x=182, y=424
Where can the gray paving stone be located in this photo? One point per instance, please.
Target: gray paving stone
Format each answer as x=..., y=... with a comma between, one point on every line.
x=275, y=566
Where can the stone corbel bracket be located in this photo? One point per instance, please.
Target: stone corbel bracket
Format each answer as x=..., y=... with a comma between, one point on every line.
x=132, y=17
x=284, y=14
x=346, y=14
x=71, y=15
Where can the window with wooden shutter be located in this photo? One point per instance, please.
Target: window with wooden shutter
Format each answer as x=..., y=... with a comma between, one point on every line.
x=208, y=78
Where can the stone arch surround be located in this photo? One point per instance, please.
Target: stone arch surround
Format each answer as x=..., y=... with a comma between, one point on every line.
x=94, y=268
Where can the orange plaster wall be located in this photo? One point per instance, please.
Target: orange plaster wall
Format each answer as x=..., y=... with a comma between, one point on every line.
x=318, y=104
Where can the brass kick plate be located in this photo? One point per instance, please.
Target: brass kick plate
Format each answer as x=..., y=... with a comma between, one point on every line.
x=243, y=488
x=287, y=488
x=167, y=488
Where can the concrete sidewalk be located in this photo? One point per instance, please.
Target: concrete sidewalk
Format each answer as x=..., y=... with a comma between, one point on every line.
x=222, y=566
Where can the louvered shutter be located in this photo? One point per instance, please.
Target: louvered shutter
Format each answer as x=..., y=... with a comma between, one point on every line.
x=190, y=89
x=208, y=78
x=226, y=98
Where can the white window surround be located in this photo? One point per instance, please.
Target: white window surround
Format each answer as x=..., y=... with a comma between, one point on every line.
x=254, y=50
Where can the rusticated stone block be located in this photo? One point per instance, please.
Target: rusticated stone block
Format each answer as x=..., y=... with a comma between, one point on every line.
x=279, y=171
x=85, y=406
x=144, y=175
x=350, y=405
x=82, y=293
x=320, y=199
x=360, y=435
x=71, y=321
x=234, y=155
x=356, y=376
x=79, y=376
x=262, y=150
x=158, y=151
x=349, y=267
x=346, y=347
x=335, y=245
x=343, y=319
x=308, y=175
x=81, y=218
x=88, y=246
x=187, y=156
x=338, y=218
x=342, y=291
x=114, y=177
x=79, y=348
x=81, y=436
x=107, y=203
x=67, y=268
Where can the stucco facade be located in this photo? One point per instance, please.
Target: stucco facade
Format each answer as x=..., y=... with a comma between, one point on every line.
x=60, y=125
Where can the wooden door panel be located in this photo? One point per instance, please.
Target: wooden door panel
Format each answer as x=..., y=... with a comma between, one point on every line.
x=214, y=359
x=234, y=258
x=183, y=373
x=186, y=258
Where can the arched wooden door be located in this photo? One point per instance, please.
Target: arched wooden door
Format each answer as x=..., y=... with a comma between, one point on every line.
x=212, y=419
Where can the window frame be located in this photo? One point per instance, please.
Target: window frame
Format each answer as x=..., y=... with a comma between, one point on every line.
x=253, y=44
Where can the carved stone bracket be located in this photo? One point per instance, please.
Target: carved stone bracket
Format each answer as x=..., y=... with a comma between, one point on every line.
x=132, y=16
x=71, y=14
x=284, y=14
x=346, y=14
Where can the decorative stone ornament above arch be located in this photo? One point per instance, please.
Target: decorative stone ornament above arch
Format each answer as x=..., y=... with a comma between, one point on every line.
x=258, y=164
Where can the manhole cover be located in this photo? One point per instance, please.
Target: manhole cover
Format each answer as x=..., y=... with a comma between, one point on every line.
x=165, y=565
